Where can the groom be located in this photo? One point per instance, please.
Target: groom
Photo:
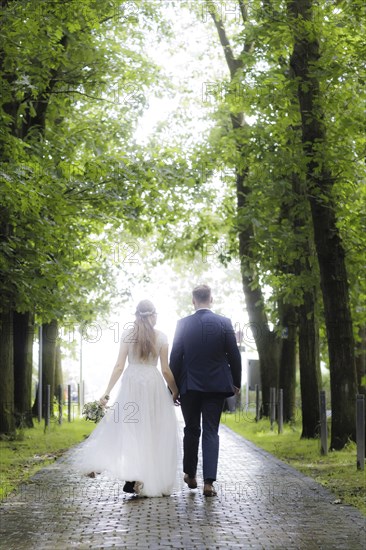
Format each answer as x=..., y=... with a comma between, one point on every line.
x=206, y=364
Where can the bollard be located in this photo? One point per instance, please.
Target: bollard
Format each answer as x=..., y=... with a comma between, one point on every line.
x=360, y=431
x=280, y=411
x=59, y=393
x=272, y=405
x=48, y=406
x=69, y=403
x=257, y=413
x=323, y=424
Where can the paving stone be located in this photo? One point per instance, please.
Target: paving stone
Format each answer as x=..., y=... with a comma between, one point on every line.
x=262, y=504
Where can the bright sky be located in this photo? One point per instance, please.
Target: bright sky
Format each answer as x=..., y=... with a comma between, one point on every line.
x=192, y=61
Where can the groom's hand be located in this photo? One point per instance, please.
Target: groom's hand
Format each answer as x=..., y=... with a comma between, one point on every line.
x=176, y=399
x=236, y=390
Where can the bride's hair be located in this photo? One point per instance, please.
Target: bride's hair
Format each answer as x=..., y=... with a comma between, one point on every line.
x=146, y=337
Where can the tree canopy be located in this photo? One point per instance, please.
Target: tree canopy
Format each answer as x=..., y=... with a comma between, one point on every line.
x=272, y=182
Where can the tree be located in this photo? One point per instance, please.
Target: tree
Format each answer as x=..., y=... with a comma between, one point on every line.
x=7, y=418
x=65, y=54
x=269, y=31
x=23, y=329
x=267, y=342
x=305, y=61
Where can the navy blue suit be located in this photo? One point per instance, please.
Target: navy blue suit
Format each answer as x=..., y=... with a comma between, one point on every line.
x=206, y=364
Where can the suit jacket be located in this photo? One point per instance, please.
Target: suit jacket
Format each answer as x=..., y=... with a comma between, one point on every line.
x=205, y=356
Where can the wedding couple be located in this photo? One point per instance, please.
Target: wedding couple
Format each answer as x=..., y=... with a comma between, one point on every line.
x=136, y=441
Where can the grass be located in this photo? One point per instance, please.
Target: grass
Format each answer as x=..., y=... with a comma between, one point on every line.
x=34, y=448
x=336, y=471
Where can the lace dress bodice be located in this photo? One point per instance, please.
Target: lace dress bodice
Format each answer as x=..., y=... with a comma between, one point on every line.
x=129, y=336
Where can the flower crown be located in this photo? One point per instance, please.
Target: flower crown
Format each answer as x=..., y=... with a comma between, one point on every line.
x=145, y=313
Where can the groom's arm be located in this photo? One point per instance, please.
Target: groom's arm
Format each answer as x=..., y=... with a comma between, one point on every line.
x=233, y=354
x=177, y=353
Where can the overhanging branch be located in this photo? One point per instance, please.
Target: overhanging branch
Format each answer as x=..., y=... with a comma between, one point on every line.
x=243, y=11
x=233, y=63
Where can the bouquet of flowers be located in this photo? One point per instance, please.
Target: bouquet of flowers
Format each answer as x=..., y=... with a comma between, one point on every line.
x=93, y=411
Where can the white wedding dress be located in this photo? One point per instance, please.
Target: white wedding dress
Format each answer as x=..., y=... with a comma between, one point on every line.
x=136, y=440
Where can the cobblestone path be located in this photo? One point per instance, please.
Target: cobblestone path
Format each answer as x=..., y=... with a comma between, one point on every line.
x=262, y=504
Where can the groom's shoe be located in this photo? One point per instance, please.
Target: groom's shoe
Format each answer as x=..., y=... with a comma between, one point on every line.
x=191, y=481
x=209, y=490
x=129, y=487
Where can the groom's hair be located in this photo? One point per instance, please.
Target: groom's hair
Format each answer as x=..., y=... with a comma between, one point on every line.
x=202, y=294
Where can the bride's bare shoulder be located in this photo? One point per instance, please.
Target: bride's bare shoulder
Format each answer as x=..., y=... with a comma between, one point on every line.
x=161, y=336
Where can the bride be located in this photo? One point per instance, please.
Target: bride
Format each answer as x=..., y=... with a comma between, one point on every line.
x=136, y=440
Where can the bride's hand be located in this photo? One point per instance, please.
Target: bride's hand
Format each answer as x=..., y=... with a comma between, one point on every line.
x=103, y=402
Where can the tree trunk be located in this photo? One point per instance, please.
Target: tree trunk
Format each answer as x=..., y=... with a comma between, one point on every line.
x=287, y=367
x=23, y=366
x=50, y=333
x=267, y=343
x=309, y=359
x=361, y=359
x=58, y=370
x=361, y=365
x=310, y=376
x=269, y=351
x=329, y=247
x=7, y=418
x=335, y=290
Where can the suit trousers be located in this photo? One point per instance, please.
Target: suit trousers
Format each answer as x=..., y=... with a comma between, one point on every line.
x=209, y=406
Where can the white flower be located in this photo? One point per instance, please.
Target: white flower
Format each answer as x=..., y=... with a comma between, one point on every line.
x=93, y=411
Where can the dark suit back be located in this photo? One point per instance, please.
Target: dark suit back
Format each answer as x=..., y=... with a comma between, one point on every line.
x=205, y=355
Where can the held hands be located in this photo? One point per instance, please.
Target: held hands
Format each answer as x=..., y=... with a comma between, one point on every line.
x=236, y=390
x=175, y=396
